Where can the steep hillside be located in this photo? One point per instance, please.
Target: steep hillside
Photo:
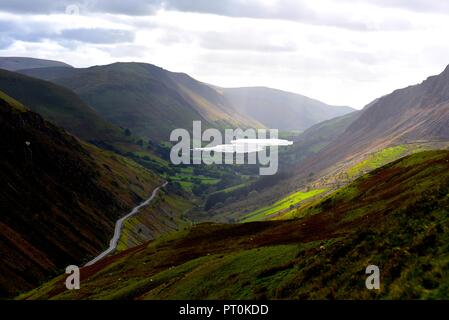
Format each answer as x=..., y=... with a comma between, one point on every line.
x=19, y=63
x=148, y=100
x=415, y=113
x=395, y=217
x=320, y=135
x=282, y=110
x=59, y=197
x=60, y=106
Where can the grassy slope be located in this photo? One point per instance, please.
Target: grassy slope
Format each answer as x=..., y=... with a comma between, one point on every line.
x=395, y=217
x=281, y=205
x=211, y=103
x=65, y=109
x=343, y=176
x=60, y=106
x=59, y=198
x=165, y=214
x=13, y=103
x=377, y=160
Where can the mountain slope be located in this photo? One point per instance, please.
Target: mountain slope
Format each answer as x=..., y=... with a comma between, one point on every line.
x=19, y=63
x=59, y=197
x=147, y=99
x=395, y=217
x=321, y=135
x=60, y=106
x=282, y=110
x=415, y=113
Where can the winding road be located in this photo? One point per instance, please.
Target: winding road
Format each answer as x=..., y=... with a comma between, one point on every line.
x=119, y=226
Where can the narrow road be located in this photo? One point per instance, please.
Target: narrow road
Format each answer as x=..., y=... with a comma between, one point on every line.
x=119, y=226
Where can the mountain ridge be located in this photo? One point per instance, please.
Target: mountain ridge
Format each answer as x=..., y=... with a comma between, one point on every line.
x=19, y=63
x=60, y=106
x=157, y=101
x=281, y=109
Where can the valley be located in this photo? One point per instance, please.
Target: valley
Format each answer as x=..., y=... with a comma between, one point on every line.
x=87, y=158
x=320, y=254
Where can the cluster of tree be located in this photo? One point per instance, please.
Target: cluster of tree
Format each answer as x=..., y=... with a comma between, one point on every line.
x=159, y=149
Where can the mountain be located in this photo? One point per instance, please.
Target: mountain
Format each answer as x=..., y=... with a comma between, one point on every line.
x=60, y=106
x=59, y=197
x=394, y=217
x=148, y=100
x=19, y=63
x=282, y=110
x=416, y=114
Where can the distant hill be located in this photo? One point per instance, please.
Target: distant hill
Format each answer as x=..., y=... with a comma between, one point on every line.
x=395, y=218
x=148, y=100
x=19, y=63
x=282, y=110
x=60, y=106
x=321, y=135
x=59, y=197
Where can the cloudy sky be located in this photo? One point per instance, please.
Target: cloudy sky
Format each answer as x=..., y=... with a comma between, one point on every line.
x=343, y=52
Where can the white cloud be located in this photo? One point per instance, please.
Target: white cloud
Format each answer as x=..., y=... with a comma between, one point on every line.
x=341, y=52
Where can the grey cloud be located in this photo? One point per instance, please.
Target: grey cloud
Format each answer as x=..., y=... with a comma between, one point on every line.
x=34, y=7
x=128, y=7
x=292, y=10
x=31, y=32
x=5, y=42
x=438, y=6
x=11, y=31
x=97, y=35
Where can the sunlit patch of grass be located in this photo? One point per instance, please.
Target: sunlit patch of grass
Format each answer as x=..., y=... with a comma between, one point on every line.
x=377, y=160
x=234, y=275
x=283, y=204
x=12, y=102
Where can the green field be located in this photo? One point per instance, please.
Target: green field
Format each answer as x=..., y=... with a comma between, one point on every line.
x=282, y=204
x=187, y=179
x=12, y=102
x=377, y=160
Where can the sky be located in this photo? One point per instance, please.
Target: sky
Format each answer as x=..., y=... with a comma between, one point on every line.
x=342, y=52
